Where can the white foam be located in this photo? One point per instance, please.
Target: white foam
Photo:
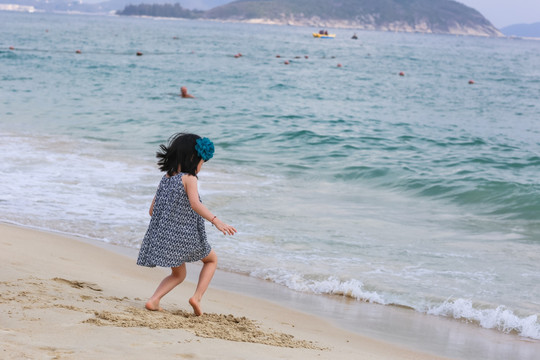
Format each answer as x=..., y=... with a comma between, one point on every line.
x=332, y=285
x=499, y=318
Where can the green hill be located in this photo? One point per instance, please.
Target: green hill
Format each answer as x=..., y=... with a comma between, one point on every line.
x=164, y=10
x=427, y=16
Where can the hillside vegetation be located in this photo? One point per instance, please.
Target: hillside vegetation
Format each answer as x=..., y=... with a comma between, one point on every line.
x=165, y=10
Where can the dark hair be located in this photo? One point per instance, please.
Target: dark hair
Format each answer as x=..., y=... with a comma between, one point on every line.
x=180, y=152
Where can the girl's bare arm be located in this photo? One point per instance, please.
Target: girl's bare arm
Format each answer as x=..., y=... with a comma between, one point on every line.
x=190, y=184
x=151, y=211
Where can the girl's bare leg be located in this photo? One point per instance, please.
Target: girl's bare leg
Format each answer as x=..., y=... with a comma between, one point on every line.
x=178, y=274
x=206, y=275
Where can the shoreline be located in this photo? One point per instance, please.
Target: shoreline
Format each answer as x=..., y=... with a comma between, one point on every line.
x=428, y=337
x=65, y=297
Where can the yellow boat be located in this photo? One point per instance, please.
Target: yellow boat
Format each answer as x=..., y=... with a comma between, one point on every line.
x=324, y=36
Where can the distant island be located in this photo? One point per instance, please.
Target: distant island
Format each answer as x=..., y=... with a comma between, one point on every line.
x=104, y=7
x=422, y=16
x=165, y=10
x=523, y=30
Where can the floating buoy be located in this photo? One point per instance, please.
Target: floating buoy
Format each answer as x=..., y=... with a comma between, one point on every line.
x=278, y=56
x=401, y=73
x=307, y=57
x=471, y=82
x=238, y=55
x=11, y=48
x=175, y=37
x=77, y=51
x=139, y=53
x=297, y=57
x=338, y=65
x=286, y=62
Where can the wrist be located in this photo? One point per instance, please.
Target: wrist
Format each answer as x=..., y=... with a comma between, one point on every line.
x=212, y=221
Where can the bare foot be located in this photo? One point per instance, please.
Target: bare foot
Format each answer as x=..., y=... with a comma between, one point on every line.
x=196, y=306
x=153, y=306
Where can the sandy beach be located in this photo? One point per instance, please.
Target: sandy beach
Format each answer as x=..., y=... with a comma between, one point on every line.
x=65, y=298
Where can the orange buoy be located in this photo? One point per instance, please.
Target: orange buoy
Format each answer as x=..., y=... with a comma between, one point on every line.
x=338, y=65
x=401, y=73
x=77, y=51
x=286, y=62
x=278, y=56
x=471, y=82
x=139, y=53
x=305, y=56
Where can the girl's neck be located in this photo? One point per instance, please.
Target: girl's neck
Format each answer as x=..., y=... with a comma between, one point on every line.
x=174, y=174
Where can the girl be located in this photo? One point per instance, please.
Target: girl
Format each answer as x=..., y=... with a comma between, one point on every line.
x=176, y=233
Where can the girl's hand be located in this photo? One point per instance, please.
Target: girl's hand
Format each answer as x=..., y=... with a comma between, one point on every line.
x=224, y=228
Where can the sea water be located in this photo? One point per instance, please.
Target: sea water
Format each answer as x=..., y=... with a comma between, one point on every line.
x=342, y=177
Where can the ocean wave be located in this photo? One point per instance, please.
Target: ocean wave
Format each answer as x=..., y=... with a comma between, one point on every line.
x=500, y=318
x=361, y=172
x=351, y=288
x=509, y=200
x=515, y=199
x=306, y=137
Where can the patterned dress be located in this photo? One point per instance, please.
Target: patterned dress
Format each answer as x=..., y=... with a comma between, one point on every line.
x=176, y=232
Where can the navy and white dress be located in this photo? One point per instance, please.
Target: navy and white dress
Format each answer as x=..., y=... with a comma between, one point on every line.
x=176, y=232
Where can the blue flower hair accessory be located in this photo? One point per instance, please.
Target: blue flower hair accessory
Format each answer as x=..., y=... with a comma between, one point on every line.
x=205, y=148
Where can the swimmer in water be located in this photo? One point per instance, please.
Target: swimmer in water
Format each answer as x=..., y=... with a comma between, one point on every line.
x=184, y=93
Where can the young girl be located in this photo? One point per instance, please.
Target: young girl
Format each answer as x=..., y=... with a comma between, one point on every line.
x=176, y=233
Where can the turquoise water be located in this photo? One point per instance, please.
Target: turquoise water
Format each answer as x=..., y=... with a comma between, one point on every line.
x=418, y=190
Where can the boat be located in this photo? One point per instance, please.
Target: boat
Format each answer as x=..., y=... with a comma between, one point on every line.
x=324, y=36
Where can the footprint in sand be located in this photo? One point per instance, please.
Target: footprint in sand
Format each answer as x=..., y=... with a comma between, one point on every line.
x=79, y=284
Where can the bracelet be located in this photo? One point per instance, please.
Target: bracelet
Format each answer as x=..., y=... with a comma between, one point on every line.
x=212, y=221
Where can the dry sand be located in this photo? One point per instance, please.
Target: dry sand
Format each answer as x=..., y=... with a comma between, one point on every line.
x=63, y=298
